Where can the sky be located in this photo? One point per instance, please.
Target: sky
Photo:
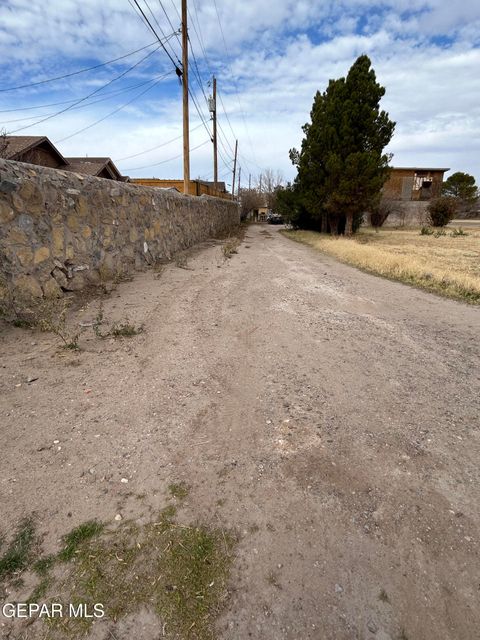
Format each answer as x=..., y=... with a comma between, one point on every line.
x=269, y=59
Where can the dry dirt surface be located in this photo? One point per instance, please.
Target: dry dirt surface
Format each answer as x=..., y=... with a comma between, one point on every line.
x=327, y=416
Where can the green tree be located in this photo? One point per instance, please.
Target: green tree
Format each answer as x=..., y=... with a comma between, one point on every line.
x=342, y=165
x=461, y=186
x=290, y=206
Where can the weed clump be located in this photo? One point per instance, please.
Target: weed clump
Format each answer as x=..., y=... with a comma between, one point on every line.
x=124, y=330
x=458, y=232
x=178, y=490
x=19, y=552
x=76, y=537
x=426, y=231
x=230, y=247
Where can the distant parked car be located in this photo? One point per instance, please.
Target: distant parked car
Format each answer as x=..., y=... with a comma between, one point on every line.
x=274, y=218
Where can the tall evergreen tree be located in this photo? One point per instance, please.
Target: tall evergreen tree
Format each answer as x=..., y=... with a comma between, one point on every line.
x=461, y=186
x=342, y=165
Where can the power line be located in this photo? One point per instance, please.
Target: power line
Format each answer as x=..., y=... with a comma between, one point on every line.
x=177, y=69
x=199, y=113
x=167, y=16
x=53, y=115
x=56, y=104
x=158, y=146
x=198, y=76
x=231, y=73
x=107, y=96
x=199, y=36
x=114, y=111
x=202, y=46
x=161, y=30
x=222, y=133
x=149, y=166
x=176, y=10
x=76, y=73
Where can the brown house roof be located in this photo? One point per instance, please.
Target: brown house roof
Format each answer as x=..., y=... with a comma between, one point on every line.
x=18, y=145
x=94, y=166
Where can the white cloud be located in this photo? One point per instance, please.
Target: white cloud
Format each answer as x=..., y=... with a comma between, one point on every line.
x=424, y=52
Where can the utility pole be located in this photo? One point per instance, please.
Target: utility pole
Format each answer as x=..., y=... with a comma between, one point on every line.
x=234, y=170
x=239, y=178
x=249, y=181
x=213, y=109
x=186, y=132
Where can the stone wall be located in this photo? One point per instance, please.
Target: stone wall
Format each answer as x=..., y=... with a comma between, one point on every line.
x=61, y=231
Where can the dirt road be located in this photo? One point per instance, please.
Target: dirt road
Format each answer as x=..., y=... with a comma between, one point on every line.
x=328, y=416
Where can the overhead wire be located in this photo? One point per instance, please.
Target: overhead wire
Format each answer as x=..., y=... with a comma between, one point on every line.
x=197, y=77
x=198, y=33
x=158, y=146
x=76, y=73
x=231, y=73
x=166, y=14
x=162, y=31
x=200, y=115
x=105, y=97
x=148, y=166
x=53, y=115
x=115, y=110
x=177, y=68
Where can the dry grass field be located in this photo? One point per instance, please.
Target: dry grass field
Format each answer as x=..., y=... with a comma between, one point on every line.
x=446, y=264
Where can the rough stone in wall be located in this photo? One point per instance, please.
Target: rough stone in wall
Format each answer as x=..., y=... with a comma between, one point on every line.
x=60, y=231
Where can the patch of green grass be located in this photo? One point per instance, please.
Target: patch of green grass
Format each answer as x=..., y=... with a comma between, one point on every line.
x=178, y=571
x=18, y=554
x=43, y=565
x=178, y=490
x=77, y=536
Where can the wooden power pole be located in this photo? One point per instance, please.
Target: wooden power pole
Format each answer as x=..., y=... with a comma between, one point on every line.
x=186, y=133
x=234, y=169
x=215, y=160
x=239, y=179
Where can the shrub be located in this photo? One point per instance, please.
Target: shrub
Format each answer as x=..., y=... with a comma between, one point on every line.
x=441, y=210
x=458, y=232
x=426, y=231
x=380, y=213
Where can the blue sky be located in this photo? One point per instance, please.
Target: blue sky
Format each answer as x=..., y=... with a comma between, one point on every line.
x=269, y=59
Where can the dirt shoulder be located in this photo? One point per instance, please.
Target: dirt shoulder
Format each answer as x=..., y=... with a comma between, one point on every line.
x=327, y=417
